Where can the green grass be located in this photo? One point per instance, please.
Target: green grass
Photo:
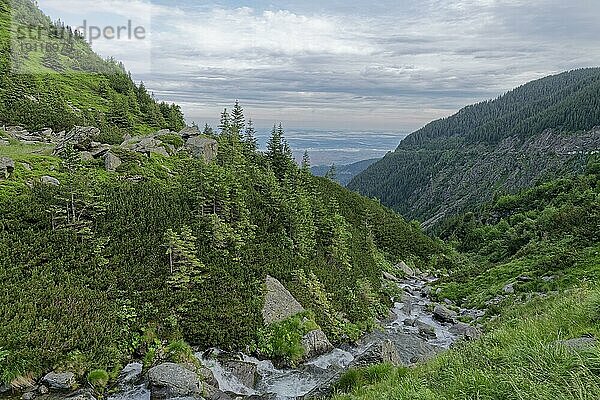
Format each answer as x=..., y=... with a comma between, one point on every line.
x=519, y=359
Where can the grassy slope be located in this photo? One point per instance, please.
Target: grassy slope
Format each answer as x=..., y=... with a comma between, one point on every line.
x=549, y=231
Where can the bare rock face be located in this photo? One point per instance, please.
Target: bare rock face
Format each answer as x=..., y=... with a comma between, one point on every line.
x=202, y=147
x=279, y=303
x=315, y=343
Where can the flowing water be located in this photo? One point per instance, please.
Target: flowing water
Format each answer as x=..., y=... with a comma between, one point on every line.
x=405, y=330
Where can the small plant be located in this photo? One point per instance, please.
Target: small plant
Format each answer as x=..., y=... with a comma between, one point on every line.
x=98, y=378
x=180, y=352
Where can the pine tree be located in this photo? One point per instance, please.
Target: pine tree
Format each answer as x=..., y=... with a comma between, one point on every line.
x=305, y=161
x=185, y=267
x=332, y=173
x=250, y=139
x=208, y=131
x=238, y=121
x=225, y=124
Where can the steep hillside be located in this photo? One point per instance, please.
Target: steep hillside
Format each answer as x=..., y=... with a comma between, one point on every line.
x=541, y=130
x=55, y=80
x=343, y=173
x=175, y=243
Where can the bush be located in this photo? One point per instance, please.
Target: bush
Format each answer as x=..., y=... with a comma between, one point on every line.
x=98, y=378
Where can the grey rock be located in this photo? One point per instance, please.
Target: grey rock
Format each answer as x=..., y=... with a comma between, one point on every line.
x=59, y=381
x=579, y=344
x=4, y=388
x=390, y=277
x=98, y=149
x=170, y=380
x=214, y=393
x=111, y=162
x=245, y=372
x=148, y=145
x=189, y=131
x=442, y=313
x=426, y=330
x=83, y=394
x=524, y=278
x=509, y=289
x=208, y=377
x=7, y=167
x=26, y=166
x=4, y=142
x=448, y=302
x=43, y=389
x=384, y=352
x=465, y=331
x=131, y=374
x=80, y=137
x=49, y=180
x=315, y=343
x=86, y=156
x=279, y=302
x=410, y=322
x=28, y=396
x=548, y=278
x=405, y=269
x=202, y=148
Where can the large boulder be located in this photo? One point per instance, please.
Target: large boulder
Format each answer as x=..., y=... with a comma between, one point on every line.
x=465, y=331
x=279, y=302
x=7, y=166
x=81, y=137
x=384, y=352
x=315, y=343
x=131, y=374
x=189, y=131
x=246, y=373
x=59, y=381
x=170, y=380
x=202, y=147
x=444, y=314
x=408, y=271
x=49, y=180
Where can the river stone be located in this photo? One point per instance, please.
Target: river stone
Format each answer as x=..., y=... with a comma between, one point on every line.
x=443, y=314
x=83, y=394
x=59, y=381
x=466, y=331
x=315, y=343
x=390, y=277
x=49, y=180
x=170, y=380
x=7, y=167
x=111, y=162
x=131, y=374
x=426, y=330
x=28, y=396
x=279, y=303
x=202, y=147
x=208, y=377
x=245, y=372
x=384, y=352
x=213, y=393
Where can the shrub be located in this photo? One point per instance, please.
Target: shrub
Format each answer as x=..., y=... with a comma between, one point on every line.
x=98, y=378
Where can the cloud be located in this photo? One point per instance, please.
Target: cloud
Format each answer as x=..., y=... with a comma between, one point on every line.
x=392, y=64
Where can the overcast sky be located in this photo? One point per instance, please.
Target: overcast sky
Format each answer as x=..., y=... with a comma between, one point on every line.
x=360, y=64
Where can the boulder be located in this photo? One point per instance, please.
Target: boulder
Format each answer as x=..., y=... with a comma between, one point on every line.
x=426, y=330
x=98, y=149
x=444, y=314
x=465, y=331
x=408, y=271
x=390, y=277
x=245, y=372
x=59, y=381
x=49, y=180
x=410, y=322
x=81, y=137
x=28, y=395
x=170, y=380
x=83, y=394
x=208, y=377
x=7, y=167
x=86, y=156
x=148, y=145
x=384, y=352
x=111, y=162
x=214, y=393
x=315, y=343
x=202, y=147
x=509, y=289
x=279, y=302
x=131, y=374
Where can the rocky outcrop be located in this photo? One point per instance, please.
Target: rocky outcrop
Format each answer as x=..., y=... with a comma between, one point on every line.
x=279, y=302
x=7, y=166
x=81, y=137
x=59, y=381
x=149, y=145
x=315, y=343
x=170, y=380
x=202, y=148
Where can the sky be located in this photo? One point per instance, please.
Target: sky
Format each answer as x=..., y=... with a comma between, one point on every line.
x=389, y=65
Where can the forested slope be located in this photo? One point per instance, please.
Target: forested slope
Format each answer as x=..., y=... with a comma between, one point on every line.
x=541, y=130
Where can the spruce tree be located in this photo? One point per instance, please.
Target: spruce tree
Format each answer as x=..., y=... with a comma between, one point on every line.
x=225, y=124
x=250, y=139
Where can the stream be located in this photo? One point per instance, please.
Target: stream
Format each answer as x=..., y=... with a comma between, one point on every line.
x=413, y=330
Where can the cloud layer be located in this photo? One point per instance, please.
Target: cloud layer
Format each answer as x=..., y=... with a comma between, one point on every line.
x=395, y=65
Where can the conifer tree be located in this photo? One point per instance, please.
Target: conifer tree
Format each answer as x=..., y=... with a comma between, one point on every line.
x=250, y=140
x=185, y=267
x=225, y=124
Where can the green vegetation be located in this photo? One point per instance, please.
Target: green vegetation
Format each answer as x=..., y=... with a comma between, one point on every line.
x=283, y=340
x=175, y=248
x=537, y=132
x=45, y=88
x=98, y=378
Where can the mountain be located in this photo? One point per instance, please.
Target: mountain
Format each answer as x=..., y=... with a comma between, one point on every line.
x=344, y=173
x=544, y=129
x=53, y=79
